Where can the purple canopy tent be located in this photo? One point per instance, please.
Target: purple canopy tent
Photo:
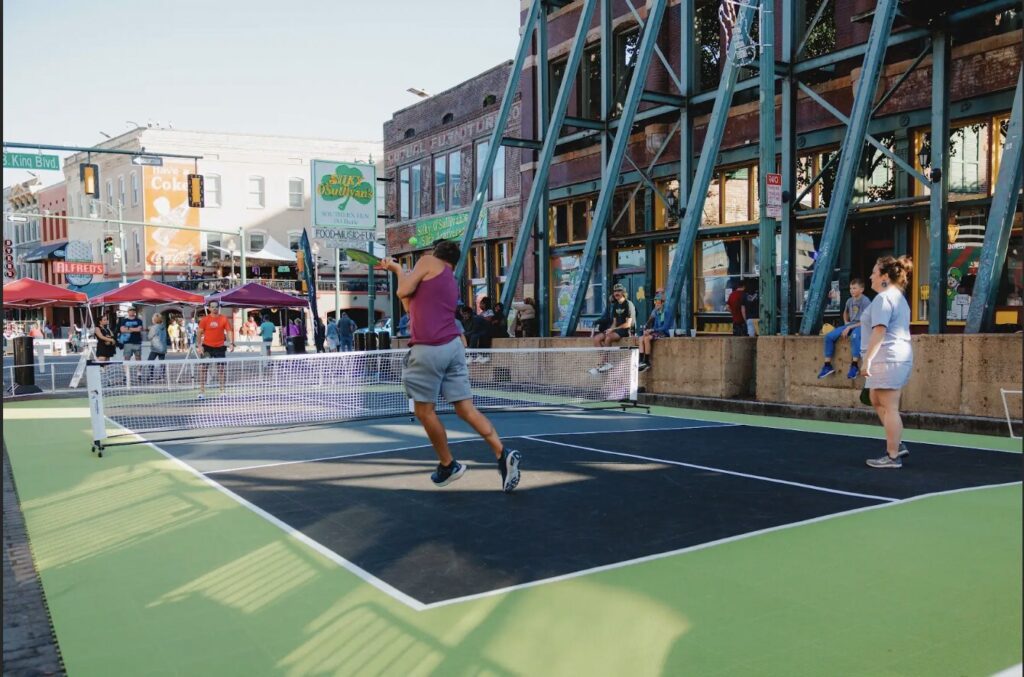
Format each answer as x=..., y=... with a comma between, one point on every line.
x=255, y=295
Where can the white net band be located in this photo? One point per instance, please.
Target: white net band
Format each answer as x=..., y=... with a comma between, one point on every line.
x=247, y=392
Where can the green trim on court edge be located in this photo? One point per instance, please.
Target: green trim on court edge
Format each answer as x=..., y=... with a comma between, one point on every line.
x=150, y=570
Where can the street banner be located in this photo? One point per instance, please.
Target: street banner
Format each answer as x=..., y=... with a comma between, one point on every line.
x=447, y=227
x=306, y=268
x=165, y=203
x=344, y=197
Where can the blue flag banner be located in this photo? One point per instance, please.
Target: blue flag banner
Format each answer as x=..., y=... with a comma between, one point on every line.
x=306, y=265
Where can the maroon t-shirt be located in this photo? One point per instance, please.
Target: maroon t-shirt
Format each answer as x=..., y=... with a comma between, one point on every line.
x=432, y=311
x=735, y=304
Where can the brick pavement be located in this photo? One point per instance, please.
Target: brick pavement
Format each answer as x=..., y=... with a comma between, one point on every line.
x=30, y=647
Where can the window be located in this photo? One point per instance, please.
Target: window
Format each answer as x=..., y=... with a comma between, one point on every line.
x=110, y=193
x=213, y=247
x=255, y=198
x=876, y=176
x=409, y=133
x=296, y=193
x=440, y=184
x=415, y=190
x=120, y=190
x=455, y=179
x=723, y=264
x=591, y=103
x=580, y=220
x=496, y=189
x=294, y=240
x=490, y=100
x=627, y=215
x=138, y=245
x=968, y=159
x=135, y=189
x=708, y=36
x=403, y=194
x=257, y=241
x=627, y=44
x=448, y=117
x=570, y=221
x=822, y=39
x=565, y=271
x=738, y=191
x=211, y=190
x=556, y=73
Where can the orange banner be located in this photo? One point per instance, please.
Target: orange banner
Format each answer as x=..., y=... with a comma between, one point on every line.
x=165, y=199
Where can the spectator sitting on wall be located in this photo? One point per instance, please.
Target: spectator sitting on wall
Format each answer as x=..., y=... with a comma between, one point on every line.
x=652, y=332
x=855, y=307
x=735, y=304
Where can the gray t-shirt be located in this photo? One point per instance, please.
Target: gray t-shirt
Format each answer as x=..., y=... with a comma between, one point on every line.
x=889, y=310
x=856, y=307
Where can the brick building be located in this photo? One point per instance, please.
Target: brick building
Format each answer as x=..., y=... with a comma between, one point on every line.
x=431, y=153
x=890, y=209
x=53, y=203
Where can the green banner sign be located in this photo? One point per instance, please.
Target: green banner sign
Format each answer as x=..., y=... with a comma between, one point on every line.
x=31, y=161
x=447, y=227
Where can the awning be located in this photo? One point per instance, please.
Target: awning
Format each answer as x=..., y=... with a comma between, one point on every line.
x=29, y=293
x=255, y=295
x=95, y=288
x=272, y=251
x=148, y=292
x=48, y=252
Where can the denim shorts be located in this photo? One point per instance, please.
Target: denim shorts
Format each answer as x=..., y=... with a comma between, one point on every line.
x=430, y=371
x=129, y=349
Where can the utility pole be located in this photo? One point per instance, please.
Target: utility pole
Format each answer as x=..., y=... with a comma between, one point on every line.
x=337, y=283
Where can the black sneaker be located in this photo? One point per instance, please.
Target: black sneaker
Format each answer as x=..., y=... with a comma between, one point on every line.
x=644, y=366
x=445, y=475
x=508, y=466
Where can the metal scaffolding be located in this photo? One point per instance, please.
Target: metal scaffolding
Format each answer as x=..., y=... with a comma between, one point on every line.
x=785, y=71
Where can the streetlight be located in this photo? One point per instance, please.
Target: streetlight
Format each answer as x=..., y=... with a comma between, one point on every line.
x=418, y=92
x=93, y=212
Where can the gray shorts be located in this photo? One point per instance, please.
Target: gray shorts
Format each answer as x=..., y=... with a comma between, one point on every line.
x=430, y=371
x=888, y=375
x=130, y=349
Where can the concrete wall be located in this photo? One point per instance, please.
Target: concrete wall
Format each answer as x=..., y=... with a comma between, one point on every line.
x=953, y=374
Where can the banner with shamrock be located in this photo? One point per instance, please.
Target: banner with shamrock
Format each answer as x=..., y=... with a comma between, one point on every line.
x=344, y=203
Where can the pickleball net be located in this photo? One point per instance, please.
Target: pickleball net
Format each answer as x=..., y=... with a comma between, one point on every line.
x=243, y=393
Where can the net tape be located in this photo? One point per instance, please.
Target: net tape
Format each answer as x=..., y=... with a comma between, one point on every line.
x=330, y=387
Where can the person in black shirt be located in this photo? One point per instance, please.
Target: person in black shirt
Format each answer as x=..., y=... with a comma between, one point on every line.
x=622, y=315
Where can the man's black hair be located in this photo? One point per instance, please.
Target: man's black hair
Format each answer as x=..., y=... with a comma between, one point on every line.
x=448, y=251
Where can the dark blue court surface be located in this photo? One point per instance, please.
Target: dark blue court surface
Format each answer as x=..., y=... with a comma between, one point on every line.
x=586, y=500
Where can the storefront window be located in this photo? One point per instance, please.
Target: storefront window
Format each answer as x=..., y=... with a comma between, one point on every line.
x=966, y=235
x=580, y=220
x=630, y=258
x=723, y=263
x=804, y=173
x=712, y=204
x=876, y=178
x=565, y=271
x=663, y=218
x=570, y=221
x=560, y=223
x=623, y=214
x=737, y=195
x=806, y=256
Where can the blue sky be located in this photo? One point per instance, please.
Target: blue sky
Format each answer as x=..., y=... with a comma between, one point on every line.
x=320, y=69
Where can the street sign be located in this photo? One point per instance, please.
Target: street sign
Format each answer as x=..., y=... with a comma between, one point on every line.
x=148, y=160
x=31, y=161
x=773, y=196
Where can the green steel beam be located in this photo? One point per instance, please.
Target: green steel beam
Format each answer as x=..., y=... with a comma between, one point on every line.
x=1005, y=201
x=584, y=123
x=853, y=144
x=904, y=165
x=610, y=170
x=542, y=241
x=511, y=87
x=938, y=211
x=682, y=260
x=792, y=16
x=666, y=99
x=539, y=186
x=688, y=64
x=513, y=142
x=769, y=315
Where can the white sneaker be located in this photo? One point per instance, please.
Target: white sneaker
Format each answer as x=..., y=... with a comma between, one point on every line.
x=202, y=396
x=483, y=359
x=605, y=367
x=594, y=372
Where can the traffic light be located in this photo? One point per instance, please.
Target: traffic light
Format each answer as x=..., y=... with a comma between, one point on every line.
x=90, y=177
x=196, y=195
x=108, y=244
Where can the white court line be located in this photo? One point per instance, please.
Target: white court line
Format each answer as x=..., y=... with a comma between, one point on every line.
x=450, y=442
x=813, y=487
x=701, y=546
x=298, y=535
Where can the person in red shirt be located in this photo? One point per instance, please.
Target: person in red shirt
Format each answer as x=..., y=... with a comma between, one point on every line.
x=214, y=331
x=735, y=303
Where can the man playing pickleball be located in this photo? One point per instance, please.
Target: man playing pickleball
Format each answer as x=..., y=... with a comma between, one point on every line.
x=436, y=363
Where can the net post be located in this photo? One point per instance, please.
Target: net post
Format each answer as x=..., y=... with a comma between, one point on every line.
x=634, y=374
x=94, y=384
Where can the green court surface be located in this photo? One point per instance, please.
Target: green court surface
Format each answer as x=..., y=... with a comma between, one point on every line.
x=150, y=570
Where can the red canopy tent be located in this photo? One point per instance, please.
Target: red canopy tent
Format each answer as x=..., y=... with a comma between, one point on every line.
x=255, y=295
x=148, y=292
x=29, y=293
